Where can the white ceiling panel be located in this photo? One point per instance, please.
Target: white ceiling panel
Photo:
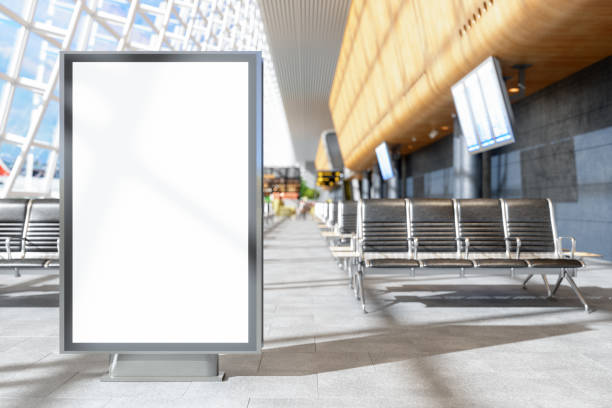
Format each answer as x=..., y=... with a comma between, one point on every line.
x=304, y=38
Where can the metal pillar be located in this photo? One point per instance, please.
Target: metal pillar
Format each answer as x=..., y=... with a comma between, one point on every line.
x=376, y=184
x=466, y=168
x=393, y=185
x=164, y=367
x=365, y=186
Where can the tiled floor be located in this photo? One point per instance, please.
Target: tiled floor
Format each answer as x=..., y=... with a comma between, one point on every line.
x=427, y=342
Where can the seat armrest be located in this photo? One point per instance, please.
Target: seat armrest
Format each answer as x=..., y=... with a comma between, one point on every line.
x=7, y=245
x=560, y=246
x=466, y=243
x=518, y=246
x=413, y=245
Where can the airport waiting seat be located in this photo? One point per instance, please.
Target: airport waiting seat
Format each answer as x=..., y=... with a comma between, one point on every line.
x=530, y=227
x=476, y=235
x=42, y=232
x=433, y=234
x=382, y=239
x=29, y=230
x=481, y=232
x=12, y=223
x=530, y=224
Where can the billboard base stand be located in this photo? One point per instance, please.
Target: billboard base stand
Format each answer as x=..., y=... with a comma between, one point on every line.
x=164, y=367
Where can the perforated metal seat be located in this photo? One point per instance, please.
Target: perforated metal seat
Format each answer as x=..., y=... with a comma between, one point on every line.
x=43, y=229
x=432, y=226
x=12, y=221
x=481, y=223
x=500, y=263
x=530, y=221
x=22, y=263
x=392, y=263
x=446, y=263
x=554, y=263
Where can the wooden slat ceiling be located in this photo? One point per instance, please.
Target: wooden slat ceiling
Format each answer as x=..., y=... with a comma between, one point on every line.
x=399, y=59
x=304, y=38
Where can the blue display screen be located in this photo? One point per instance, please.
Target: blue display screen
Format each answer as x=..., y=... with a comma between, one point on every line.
x=384, y=161
x=482, y=107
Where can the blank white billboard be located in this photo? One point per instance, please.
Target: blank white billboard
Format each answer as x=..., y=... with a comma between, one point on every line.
x=161, y=202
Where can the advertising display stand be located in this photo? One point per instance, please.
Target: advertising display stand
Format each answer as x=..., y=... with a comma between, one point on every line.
x=160, y=257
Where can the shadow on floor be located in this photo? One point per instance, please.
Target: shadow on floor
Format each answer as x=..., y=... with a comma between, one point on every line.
x=30, y=291
x=511, y=295
x=409, y=343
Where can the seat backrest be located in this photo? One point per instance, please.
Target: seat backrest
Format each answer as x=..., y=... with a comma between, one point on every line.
x=432, y=221
x=383, y=225
x=531, y=221
x=12, y=220
x=347, y=217
x=482, y=221
x=43, y=226
x=332, y=217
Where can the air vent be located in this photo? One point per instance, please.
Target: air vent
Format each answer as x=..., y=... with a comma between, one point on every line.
x=471, y=22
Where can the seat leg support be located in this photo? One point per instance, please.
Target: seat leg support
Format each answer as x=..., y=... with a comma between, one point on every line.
x=558, y=284
x=526, y=280
x=547, y=285
x=577, y=291
x=17, y=273
x=361, y=290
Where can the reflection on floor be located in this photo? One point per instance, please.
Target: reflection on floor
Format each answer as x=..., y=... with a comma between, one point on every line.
x=427, y=342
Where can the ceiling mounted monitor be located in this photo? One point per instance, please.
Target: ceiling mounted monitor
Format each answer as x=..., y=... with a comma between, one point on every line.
x=483, y=108
x=384, y=161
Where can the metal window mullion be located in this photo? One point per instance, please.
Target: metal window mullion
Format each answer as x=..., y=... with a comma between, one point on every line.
x=129, y=23
x=189, y=28
x=101, y=21
x=35, y=124
x=20, y=140
x=164, y=25
x=44, y=28
x=86, y=31
x=16, y=60
x=27, y=22
x=153, y=26
x=26, y=83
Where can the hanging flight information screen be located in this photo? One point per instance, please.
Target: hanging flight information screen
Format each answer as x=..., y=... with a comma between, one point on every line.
x=483, y=108
x=158, y=254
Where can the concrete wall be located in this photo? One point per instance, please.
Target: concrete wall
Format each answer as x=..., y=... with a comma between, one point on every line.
x=563, y=151
x=429, y=172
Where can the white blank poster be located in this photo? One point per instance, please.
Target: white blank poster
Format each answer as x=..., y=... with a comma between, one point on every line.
x=160, y=202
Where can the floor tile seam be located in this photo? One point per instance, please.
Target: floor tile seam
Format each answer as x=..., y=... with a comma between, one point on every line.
x=62, y=384
x=33, y=363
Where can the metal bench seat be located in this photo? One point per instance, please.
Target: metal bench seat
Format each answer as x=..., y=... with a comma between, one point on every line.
x=466, y=234
x=22, y=263
x=500, y=263
x=392, y=263
x=29, y=234
x=554, y=263
x=446, y=263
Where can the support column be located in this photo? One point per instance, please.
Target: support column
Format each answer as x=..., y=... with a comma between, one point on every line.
x=467, y=168
x=376, y=183
x=486, y=174
x=403, y=175
x=393, y=184
x=365, y=186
